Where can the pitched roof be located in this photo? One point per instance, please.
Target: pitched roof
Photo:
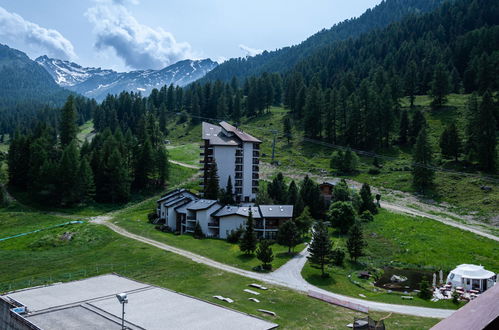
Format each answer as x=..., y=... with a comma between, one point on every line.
x=182, y=208
x=237, y=210
x=276, y=211
x=243, y=136
x=170, y=194
x=201, y=204
x=214, y=134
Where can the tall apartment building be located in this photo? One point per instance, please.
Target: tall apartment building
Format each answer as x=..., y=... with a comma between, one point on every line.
x=237, y=154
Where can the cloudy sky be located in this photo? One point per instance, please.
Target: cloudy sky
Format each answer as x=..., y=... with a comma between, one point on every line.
x=149, y=34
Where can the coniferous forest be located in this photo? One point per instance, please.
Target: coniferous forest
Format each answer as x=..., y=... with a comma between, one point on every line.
x=346, y=90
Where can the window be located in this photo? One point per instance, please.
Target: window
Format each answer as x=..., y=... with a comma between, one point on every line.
x=468, y=282
x=451, y=276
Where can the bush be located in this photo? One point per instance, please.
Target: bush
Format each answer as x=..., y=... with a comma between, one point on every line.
x=425, y=292
x=366, y=216
x=164, y=229
x=374, y=171
x=198, y=232
x=338, y=255
x=235, y=235
x=455, y=297
x=151, y=217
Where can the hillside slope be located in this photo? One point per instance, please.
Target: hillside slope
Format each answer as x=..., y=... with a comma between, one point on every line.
x=284, y=59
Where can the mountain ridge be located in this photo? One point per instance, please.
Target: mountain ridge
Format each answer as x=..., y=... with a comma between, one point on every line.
x=97, y=82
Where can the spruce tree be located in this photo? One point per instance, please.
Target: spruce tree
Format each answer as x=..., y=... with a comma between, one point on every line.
x=198, y=231
x=289, y=235
x=67, y=126
x=487, y=137
x=472, y=130
x=69, y=178
x=450, y=142
x=227, y=194
x=313, y=113
x=320, y=248
x=86, y=185
x=417, y=124
x=248, y=241
x=403, y=128
x=292, y=195
x=265, y=254
x=422, y=174
x=277, y=189
x=118, y=178
x=212, y=189
x=304, y=222
x=367, y=203
x=439, y=86
x=355, y=242
x=163, y=166
x=144, y=165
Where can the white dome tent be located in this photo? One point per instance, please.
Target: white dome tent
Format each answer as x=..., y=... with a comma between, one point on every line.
x=471, y=277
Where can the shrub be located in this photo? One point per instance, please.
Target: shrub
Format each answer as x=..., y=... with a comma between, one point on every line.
x=151, y=217
x=424, y=288
x=366, y=216
x=373, y=171
x=235, y=235
x=455, y=297
x=338, y=255
x=198, y=232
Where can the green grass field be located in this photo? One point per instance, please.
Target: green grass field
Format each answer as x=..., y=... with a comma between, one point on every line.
x=187, y=153
x=47, y=257
x=407, y=242
x=135, y=220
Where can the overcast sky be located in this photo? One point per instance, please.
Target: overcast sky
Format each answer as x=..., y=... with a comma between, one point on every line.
x=151, y=34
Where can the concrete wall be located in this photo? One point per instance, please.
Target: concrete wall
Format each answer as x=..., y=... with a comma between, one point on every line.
x=204, y=216
x=225, y=156
x=13, y=321
x=229, y=223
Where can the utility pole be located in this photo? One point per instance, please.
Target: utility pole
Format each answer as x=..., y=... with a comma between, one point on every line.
x=274, y=132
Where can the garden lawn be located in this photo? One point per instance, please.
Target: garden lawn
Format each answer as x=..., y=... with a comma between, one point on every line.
x=134, y=220
x=403, y=241
x=47, y=257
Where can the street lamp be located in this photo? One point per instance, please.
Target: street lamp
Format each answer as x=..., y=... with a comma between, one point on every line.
x=123, y=299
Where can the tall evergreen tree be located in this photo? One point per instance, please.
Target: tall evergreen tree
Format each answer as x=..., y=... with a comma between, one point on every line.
x=248, y=241
x=487, y=141
x=265, y=254
x=342, y=216
x=68, y=127
x=367, y=203
x=227, y=196
x=417, y=124
x=286, y=126
x=355, y=242
x=277, y=189
x=313, y=113
x=321, y=247
x=144, y=165
x=422, y=174
x=86, y=187
x=472, y=130
x=450, y=142
x=69, y=178
x=439, y=86
x=118, y=178
x=163, y=166
x=212, y=189
x=304, y=222
x=403, y=127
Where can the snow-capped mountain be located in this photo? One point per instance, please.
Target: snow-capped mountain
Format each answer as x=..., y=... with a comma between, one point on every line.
x=97, y=83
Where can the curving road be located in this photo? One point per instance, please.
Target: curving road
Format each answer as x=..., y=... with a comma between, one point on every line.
x=288, y=275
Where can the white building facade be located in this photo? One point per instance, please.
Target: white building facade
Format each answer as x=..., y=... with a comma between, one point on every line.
x=181, y=210
x=472, y=277
x=237, y=155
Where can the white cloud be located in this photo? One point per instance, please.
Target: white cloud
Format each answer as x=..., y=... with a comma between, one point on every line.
x=250, y=51
x=139, y=45
x=14, y=28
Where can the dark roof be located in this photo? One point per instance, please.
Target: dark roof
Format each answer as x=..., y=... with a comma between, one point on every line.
x=476, y=314
x=243, y=136
x=276, y=211
x=170, y=193
x=201, y=204
x=214, y=134
x=242, y=211
x=182, y=208
x=331, y=182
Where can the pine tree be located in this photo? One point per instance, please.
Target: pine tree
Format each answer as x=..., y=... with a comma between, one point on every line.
x=198, y=231
x=212, y=188
x=248, y=241
x=422, y=174
x=288, y=235
x=277, y=189
x=86, y=185
x=144, y=165
x=411, y=82
x=403, y=128
x=450, y=142
x=304, y=222
x=265, y=254
x=320, y=248
x=341, y=192
x=417, y=124
x=287, y=129
x=227, y=196
x=439, y=86
x=424, y=289
x=118, y=178
x=163, y=166
x=292, y=196
x=311, y=196
x=313, y=113
x=487, y=137
x=68, y=127
x=472, y=130
x=355, y=242
x=367, y=203
x=69, y=174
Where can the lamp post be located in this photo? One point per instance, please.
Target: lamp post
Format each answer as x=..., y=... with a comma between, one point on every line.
x=123, y=299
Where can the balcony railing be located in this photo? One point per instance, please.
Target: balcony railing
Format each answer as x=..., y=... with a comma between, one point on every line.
x=213, y=224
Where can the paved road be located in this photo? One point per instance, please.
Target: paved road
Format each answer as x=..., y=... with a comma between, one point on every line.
x=289, y=276
x=407, y=210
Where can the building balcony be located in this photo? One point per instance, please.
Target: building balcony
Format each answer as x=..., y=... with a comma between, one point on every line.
x=255, y=176
x=254, y=183
x=256, y=168
x=256, y=161
x=191, y=219
x=256, y=153
x=213, y=224
x=239, y=153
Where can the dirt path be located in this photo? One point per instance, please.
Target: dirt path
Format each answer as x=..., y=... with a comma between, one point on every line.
x=289, y=275
x=183, y=164
x=406, y=203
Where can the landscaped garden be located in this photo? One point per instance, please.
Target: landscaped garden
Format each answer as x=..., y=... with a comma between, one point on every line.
x=404, y=242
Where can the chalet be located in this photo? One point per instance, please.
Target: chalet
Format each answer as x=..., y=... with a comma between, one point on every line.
x=181, y=210
x=327, y=188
